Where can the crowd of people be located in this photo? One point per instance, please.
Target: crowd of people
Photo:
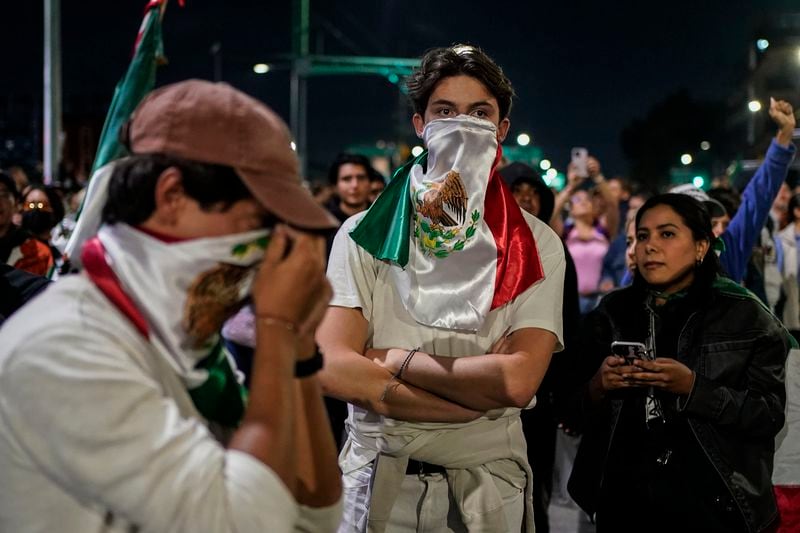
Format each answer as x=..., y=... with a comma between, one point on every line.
x=198, y=367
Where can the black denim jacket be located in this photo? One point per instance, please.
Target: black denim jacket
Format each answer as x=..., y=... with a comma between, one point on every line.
x=738, y=351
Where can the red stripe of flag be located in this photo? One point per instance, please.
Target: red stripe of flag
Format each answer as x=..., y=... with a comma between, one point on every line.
x=518, y=263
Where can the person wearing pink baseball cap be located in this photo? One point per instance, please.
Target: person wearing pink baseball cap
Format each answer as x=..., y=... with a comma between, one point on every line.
x=120, y=408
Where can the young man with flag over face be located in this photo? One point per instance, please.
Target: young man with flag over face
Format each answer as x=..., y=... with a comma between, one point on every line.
x=119, y=408
x=447, y=309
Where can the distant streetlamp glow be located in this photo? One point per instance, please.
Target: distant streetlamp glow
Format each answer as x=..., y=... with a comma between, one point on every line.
x=762, y=44
x=260, y=68
x=754, y=106
x=551, y=173
x=523, y=139
x=705, y=145
x=544, y=164
x=686, y=159
x=416, y=151
x=699, y=181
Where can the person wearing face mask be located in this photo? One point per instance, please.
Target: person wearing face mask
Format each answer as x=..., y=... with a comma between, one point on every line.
x=43, y=210
x=120, y=410
x=683, y=428
x=18, y=247
x=446, y=312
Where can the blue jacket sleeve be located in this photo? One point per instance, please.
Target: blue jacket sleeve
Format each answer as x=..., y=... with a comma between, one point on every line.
x=757, y=199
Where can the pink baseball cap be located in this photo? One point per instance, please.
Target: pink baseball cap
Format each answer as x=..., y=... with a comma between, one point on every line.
x=215, y=123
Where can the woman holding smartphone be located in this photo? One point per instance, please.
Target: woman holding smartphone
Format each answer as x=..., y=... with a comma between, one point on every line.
x=683, y=436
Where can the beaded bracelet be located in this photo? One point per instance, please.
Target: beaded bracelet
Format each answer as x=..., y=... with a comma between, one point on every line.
x=399, y=372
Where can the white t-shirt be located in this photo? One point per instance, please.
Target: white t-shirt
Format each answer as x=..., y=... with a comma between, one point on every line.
x=361, y=281
x=98, y=433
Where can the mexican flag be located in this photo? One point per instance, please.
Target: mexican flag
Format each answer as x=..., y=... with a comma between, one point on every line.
x=448, y=224
x=139, y=80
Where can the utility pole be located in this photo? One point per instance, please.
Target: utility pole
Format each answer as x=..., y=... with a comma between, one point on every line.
x=305, y=65
x=297, y=92
x=52, y=90
x=752, y=63
x=216, y=55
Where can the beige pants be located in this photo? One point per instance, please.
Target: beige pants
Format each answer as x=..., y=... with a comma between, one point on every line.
x=424, y=504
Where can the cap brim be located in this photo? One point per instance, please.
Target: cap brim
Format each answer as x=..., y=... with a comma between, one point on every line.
x=288, y=200
x=715, y=208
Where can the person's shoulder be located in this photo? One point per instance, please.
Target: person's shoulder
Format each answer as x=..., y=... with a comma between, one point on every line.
x=351, y=222
x=70, y=309
x=741, y=306
x=546, y=239
x=621, y=298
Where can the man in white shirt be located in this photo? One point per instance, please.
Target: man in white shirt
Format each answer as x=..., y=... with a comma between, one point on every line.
x=119, y=409
x=446, y=312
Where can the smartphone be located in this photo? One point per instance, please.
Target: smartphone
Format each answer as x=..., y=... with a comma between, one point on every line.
x=631, y=351
x=580, y=160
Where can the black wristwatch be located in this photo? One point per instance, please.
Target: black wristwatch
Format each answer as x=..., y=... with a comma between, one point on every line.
x=309, y=367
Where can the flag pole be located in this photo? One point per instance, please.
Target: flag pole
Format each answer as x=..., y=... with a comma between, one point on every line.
x=52, y=90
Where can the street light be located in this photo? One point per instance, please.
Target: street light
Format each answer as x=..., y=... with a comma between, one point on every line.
x=754, y=106
x=699, y=181
x=705, y=146
x=551, y=173
x=544, y=164
x=686, y=159
x=260, y=68
x=523, y=139
x=762, y=44
x=416, y=151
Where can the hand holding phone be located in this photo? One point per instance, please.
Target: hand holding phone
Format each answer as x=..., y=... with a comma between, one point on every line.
x=631, y=351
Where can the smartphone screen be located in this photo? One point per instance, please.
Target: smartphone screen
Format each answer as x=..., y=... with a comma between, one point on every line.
x=631, y=351
x=580, y=160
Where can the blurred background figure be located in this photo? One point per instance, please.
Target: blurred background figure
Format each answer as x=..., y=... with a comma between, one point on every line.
x=350, y=176
x=593, y=221
x=540, y=424
x=376, y=185
x=18, y=246
x=42, y=211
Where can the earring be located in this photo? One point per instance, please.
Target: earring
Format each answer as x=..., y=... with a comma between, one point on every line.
x=698, y=262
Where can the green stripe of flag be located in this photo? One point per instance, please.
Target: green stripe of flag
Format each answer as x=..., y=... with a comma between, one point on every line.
x=132, y=88
x=385, y=231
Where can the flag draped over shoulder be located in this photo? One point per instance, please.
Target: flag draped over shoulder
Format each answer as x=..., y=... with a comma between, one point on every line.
x=139, y=80
x=458, y=244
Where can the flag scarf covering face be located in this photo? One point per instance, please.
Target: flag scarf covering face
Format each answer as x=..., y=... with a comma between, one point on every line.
x=456, y=240
x=183, y=292
x=131, y=89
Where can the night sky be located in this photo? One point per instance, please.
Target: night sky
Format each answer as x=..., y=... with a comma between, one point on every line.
x=581, y=72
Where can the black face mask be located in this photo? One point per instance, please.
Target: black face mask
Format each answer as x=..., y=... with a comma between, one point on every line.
x=37, y=221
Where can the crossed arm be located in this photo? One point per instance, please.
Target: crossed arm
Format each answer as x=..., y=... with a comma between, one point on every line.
x=432, y=388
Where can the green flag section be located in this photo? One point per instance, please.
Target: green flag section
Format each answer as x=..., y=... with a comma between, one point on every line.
x=386, y=228
x=132, y=88
x=137, y=82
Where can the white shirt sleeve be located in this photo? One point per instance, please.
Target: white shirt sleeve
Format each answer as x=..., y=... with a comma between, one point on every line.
x=352, y=271
x=540, y=306
x=94, y=422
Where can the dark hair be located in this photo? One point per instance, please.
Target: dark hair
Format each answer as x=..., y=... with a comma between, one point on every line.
x=354, y=159
x=698, y=220
x=440, y=63
x=730, y=200
x=10, y=184
x=132, y=186
x=56, y=202
x=794, y=203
